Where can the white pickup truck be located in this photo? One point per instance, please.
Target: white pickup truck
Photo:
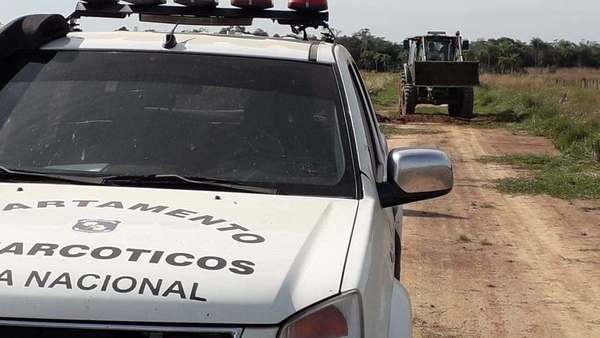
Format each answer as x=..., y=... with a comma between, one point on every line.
x=206, y=186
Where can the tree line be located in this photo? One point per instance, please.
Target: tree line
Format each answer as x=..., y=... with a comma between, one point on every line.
x=502, y=55
x=372, y=52
x=507, y=55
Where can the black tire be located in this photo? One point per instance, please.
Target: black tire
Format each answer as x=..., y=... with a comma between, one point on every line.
x=410, y=100
x=453, y=110
x=408, y=96
x=468, y=102
x=464, y=107
x=401, y=86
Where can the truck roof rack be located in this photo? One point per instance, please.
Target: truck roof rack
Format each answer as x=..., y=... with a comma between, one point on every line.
x=188, y=15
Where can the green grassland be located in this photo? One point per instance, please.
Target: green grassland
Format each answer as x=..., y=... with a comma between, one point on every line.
x=562, y=176
x=383, y=88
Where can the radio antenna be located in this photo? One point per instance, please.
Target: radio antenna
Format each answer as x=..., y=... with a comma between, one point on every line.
x=170, y=39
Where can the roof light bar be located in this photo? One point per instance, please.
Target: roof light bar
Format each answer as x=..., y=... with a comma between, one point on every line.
x=146, y=2
x=199, y=3
x=101, y=2
x=200, y=12
x=252, y=4
x=308, y=5
x=195, y=21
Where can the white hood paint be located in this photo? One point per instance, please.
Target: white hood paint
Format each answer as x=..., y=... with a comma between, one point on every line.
x=299, y=263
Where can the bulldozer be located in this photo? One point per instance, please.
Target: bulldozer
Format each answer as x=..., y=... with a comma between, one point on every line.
x=437, y=74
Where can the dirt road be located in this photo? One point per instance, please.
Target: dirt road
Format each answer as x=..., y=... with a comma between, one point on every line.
x=478, y=263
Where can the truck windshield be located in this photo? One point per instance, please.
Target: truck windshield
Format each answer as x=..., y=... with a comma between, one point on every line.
x=270, y=123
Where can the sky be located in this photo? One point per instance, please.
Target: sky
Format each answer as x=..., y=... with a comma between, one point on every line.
x=575, y=20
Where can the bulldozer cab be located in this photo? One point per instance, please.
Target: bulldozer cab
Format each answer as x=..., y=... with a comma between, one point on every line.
x=441, y=49
x=436, y=46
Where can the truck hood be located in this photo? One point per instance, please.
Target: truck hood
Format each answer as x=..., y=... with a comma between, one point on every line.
x=168, y=256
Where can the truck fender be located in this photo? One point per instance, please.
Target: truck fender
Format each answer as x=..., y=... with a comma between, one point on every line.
x=401, y=313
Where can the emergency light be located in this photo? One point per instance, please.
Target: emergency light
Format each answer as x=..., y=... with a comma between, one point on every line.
x=252, y=4
x=146, y=2
x=308, y=5
x=198, y=3
x=303, y=14
x=101, y=2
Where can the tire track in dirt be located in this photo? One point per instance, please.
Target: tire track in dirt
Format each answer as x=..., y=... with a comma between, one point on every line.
x=482, y=264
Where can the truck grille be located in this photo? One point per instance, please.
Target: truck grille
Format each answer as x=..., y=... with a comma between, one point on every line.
x=46, y=332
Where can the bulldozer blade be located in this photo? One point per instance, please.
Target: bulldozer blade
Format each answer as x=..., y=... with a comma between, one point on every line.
x=446, y=74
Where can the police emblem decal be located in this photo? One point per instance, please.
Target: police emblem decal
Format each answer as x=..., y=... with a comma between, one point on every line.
x=95, y=225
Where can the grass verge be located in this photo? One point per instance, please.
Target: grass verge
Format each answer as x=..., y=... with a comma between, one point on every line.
x=383, y=89
x=546, y=104
x=563, y=177
x=569, y=115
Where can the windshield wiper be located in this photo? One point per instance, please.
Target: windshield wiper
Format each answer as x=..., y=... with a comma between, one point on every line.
x=32, y=176
x=151, y=180
x=178, y=180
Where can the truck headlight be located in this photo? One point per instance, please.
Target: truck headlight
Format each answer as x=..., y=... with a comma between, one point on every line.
x=340, y=317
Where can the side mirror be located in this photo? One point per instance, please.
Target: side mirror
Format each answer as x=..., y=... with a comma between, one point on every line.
x=416, y=175
x=466, y=45
x=407, y=44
